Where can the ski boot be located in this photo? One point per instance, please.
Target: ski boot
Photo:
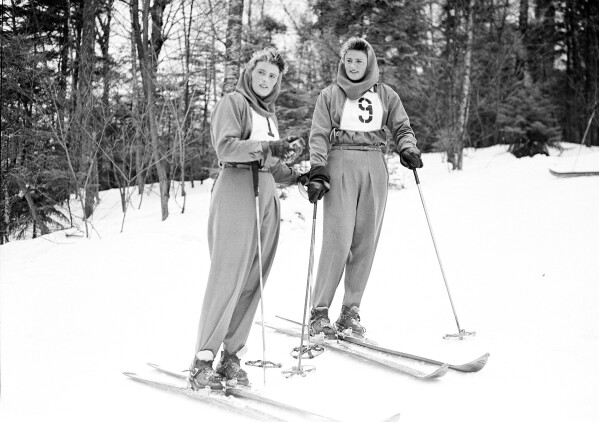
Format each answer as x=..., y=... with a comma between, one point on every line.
x=201, y=374
x=320, y=324
x=349, y=322
x=229, y=368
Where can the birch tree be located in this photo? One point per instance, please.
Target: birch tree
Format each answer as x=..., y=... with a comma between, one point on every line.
x=462, y=123
x=233, y=45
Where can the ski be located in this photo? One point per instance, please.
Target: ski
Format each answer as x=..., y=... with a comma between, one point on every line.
x=472, y=366
x=344, y=348
x=573, y=173
x=247, y=393
x=214, y=397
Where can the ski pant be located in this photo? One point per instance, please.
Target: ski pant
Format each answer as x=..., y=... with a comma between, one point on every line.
x=353, y=216
x=233, y=288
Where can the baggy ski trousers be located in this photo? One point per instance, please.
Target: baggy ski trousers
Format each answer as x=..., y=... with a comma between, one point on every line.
x=353, y=216
x=233, y=288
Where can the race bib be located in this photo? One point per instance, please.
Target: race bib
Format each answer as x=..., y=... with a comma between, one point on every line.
x=364, y=114
x=263, y=128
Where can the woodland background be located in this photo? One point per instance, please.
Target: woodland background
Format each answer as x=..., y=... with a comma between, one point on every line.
x=102, y=94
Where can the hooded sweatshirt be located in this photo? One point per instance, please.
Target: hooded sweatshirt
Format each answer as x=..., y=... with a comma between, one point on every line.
x=240, y=114
x=357, y=112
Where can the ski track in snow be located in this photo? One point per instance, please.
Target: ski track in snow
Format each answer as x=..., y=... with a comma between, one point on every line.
x=518, y=245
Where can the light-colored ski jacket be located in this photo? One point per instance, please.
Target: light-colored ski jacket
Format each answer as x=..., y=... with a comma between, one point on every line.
x=327, y=122
x=231, y=127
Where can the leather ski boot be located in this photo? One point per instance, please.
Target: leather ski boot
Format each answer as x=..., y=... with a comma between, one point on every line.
x=201, y=374
x=229, y=368
x=349, y=322
x=320, y=324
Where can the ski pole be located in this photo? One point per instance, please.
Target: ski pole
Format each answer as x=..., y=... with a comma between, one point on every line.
x=299, y=370
x=461, y=333
x=264, y=363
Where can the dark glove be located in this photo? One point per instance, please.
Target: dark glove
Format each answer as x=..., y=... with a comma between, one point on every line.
x=316, y=191
x=278, y=149
x=282, y=149
x=303, y=178
x=319, y=183
x=410, y=158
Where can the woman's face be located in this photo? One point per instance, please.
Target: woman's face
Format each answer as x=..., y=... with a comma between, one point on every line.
x=264, y=78
x=355, y=64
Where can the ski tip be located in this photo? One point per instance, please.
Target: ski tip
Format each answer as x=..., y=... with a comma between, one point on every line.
x=474, y=366
x=482, y=361
x=392, y=418
x=153, y=365
x=130, y=374
x=442, y=370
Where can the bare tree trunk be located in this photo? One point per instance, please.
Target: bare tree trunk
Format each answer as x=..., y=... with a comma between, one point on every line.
x=104, y=42
x=249, y=16
x=186, y=100
x=462, y=124
x=523, y=62
x=83, y=122
x=233, y=45
x=138, y=140
x=148, y=50
x=4, y=238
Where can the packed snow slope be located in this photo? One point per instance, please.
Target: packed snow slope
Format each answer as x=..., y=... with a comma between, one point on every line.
x=519, y=247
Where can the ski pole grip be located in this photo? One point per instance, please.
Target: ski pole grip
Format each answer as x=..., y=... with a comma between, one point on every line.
x=255, y=178
x=416, y=176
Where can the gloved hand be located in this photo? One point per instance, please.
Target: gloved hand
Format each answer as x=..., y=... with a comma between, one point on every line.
x=282, y=149
x=291, y=138
x=303, y=178
x=319, y=183
x=410, y=158
x=278, y=149
x=316, y=191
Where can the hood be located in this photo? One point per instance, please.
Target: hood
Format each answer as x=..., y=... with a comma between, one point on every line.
x=355, y=89
x=263, y=106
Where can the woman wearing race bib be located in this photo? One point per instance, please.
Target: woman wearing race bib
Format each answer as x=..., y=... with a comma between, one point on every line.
x=243, y=131
x=347, y=164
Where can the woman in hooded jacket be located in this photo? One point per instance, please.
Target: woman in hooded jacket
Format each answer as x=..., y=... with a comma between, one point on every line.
x=244, y=132
x=346, y=160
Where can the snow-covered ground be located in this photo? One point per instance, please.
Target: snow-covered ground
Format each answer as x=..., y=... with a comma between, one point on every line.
x=519, y=246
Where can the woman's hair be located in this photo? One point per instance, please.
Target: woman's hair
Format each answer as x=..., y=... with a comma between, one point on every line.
x=269, y=55
x=354, y=43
